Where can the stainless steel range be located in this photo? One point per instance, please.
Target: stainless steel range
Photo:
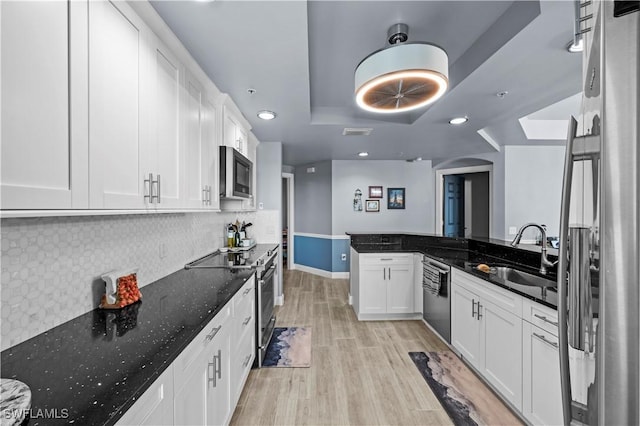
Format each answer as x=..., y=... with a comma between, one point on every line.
x=262, y=258
x=266, y=319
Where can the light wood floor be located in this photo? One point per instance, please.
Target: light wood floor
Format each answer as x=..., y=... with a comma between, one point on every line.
x=361, y=373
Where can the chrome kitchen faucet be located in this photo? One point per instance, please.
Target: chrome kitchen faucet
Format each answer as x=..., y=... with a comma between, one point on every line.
x=544, y=262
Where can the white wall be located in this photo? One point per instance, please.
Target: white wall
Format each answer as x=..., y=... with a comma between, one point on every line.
x=417, y=178
x=533, y=185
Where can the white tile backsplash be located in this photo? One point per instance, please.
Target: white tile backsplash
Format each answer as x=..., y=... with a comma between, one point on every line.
x=51, y=267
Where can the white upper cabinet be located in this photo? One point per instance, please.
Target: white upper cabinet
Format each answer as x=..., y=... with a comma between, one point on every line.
x=126, y=119
x=200, y=147
x=44, y=141
x=119, y=118
x=166, y=147
x=236, y=128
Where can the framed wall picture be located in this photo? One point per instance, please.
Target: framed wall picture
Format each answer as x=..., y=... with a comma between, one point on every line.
x=375, y=192
x=395, y=198
x=372, y=206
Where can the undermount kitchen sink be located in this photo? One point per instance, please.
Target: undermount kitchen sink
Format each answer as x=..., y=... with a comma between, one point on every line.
x=521, y=277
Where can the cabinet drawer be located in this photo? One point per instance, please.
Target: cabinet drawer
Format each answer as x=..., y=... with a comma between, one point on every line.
x=540, y=316
x=244, y=322
x=386, y=259
x=186, y=359
x=505, y=299
x=246, y=294
x=155, y=405
x=241, y=364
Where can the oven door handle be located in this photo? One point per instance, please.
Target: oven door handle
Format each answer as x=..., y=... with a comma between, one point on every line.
x=271, y=271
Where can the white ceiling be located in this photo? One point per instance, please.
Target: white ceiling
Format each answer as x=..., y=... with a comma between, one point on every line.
x=300, y=57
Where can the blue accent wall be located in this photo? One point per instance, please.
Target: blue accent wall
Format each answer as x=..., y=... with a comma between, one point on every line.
x=312, y=252
x=337, y=248
x=321, y=253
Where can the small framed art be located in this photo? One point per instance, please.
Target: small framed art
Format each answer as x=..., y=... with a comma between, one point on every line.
x=395, y=198
x=375, y=192
x=372, y=206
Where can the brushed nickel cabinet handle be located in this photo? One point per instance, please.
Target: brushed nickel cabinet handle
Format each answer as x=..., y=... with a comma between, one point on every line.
x=247, y=320
x=211, y=379
x=473, y=308
x=148, y=183
x=219, y=370
x=479, y=312
x=545, y=319
x=158, y=195
x=213, y=333
x=247, y=291
x=548, y=342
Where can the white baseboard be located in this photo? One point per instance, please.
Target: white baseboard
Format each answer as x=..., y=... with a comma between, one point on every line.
x=350, y=299
x=280, y=300
x=321, y=272
x=388, y=317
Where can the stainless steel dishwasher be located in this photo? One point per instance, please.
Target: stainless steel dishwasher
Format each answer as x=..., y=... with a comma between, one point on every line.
x=436, y=304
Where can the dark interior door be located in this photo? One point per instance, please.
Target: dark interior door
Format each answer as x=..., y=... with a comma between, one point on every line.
x=453, y=206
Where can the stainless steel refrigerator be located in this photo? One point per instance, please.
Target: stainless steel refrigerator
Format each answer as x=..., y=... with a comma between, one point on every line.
x=599, y=262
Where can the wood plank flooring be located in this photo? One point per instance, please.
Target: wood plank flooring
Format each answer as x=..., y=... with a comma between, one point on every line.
x=361, y=373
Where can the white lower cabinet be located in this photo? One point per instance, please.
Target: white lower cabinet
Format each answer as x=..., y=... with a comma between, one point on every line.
x=542, y=402
x=385, y=285
x=512, y=342
x=155, y=406
x=202, y=375
x=487, y=330
x=203, y=385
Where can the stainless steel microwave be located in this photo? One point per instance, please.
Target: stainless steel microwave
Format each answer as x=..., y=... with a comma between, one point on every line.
x=236, y=174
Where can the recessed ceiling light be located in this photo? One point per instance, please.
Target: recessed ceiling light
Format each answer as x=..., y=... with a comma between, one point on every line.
x=266, y=115
x=363, y=154
x=458, y=120
x=574, y=47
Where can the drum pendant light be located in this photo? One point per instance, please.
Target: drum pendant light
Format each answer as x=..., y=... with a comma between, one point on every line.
x=401, y=77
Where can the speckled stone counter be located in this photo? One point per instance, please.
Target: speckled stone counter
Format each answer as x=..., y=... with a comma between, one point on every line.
x=464, y=254
x=90, y=370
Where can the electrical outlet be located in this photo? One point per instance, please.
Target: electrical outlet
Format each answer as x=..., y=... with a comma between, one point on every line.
x=344, y=257
x=513, y=230
x=260, y=206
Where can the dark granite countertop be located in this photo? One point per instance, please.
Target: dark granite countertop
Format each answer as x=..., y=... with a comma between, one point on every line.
x=95, y=366
x=464, y=254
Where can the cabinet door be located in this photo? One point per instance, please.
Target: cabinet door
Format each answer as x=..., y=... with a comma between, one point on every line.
x=210, y=154
x=242, y=360
x=230, y=125
x=541, y=399
x=219, y=393
x=194, y=144
x=119, y=155
x=502, y=332
x=42, y=156
x=400, y=289
x=465, y=327
x=373, y=289
x=155, y=406
x=166, y=141
x=191, y=398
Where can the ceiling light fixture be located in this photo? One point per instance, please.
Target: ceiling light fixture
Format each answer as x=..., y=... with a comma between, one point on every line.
x=576, y=47
x=502, y=94
x=402, y=77
x=266, y=115
x=363, y=154
x=458, y=120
